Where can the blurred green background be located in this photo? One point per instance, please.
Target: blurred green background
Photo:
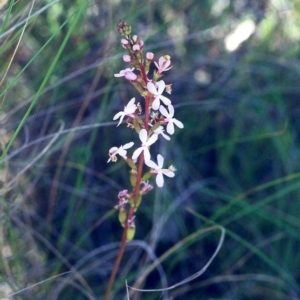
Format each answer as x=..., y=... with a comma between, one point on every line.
x=235, y=79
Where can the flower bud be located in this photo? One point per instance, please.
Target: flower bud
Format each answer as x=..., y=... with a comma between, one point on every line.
x=127, y=58
x=125, y=43
x=130, y=233
x=138, y=202
x=149, y=56
x=131, y=76
x=122, y=216
x=136, y=48
x=123, y=28
x=133, y=177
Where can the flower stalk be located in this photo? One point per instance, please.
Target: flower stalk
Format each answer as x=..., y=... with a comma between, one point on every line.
x=149, y=127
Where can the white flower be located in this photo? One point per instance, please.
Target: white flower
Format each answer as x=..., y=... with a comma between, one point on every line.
x=123, y=72
x=146, y=142
x=158, y=94
x=121, y=151
x=169, y=118
x=160, y=130
x=157, y=169
x=129, y=109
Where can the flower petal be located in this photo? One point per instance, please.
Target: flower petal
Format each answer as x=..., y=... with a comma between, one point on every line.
x=131, y=102
x=160, y=161
x=121, y=116
x=171, y=110
x=165, y=100
x=170, y=128
x=152, y=139
x=137, y=153
x=151, y=88
x=128, y=145
x=159, y=179
x=161, y=86
x=164, y=111
x=118, y=115
x=178, y=123
x=122, y=152
x=168, y=173
x=156, y=104
x=147, y=155
x=151, y=164
x=143, y=135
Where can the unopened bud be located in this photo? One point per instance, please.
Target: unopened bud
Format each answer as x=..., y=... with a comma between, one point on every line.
x=125, y=43
x=122, y=216
x=149, y=56
x=127, y=58
x=130, y=233
x=133, y=177
x=138, y=202
x=123, y=28
x=131, y=76
x=136, y=48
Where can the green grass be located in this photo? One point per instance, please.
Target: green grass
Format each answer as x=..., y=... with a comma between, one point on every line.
x=237, y=158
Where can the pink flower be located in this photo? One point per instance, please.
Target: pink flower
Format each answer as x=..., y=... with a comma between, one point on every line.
x=158, y=94
x=129, y=109
x=129, y=75
x=169, y=118
x=163, y=64
x=123, y=72
x=146, y=143
x=157, y=169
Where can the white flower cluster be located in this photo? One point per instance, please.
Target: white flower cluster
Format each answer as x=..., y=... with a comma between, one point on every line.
x=162, y=115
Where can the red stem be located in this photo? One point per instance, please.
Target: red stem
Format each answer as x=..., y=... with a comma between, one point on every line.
x=135, y=197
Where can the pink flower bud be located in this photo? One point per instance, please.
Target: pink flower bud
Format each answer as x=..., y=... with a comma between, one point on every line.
x=136, y=48
x=141, y=43
x=149, y=56
x=124, y=43
x=127, y=58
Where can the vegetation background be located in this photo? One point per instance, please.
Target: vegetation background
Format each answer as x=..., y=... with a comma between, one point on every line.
x=235, y=76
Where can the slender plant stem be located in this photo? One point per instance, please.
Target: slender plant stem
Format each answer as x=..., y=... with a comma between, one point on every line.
x=117, y=264
x=135, y=198
x=124, y=235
